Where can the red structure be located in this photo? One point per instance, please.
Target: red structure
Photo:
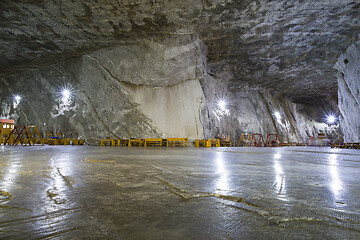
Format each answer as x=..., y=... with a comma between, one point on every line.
x=272, y=140
x=258, y=140
x=18, y=135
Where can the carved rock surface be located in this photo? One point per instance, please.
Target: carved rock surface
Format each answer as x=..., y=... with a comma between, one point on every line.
x=289, y=46
x=183, y=56
x=109, y=94
x=349, y=92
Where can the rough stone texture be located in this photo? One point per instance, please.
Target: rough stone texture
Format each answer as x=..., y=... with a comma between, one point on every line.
x=264, y=56
x=252, y=110
x=110, y=97
x=153, y=63
x=286, y=45
x=98, y=107
x=349, y=92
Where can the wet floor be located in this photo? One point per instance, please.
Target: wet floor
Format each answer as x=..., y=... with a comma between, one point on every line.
x=80, y=192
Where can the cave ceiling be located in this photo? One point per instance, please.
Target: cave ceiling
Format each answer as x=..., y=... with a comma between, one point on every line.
x=289, y=46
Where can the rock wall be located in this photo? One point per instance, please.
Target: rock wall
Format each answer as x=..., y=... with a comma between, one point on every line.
x=257, y=110
x=174, y=110
x=154, y=88
x=348, y=66
x=145, y=90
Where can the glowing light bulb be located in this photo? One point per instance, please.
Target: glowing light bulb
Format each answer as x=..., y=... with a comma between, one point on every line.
x=66, y=93
x=17, y=98
x=222, y=105
x=277, y=115
x=331, y=119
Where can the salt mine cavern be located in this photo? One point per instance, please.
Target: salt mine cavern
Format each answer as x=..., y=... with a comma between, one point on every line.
x=160, y=119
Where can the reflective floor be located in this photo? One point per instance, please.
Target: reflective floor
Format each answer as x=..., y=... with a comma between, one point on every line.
x=80, y=192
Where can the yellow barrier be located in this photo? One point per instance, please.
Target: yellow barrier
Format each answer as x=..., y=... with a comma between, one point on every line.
x=136, y=142
x=64, y=141
x=214, y=142
x=354, y=145
x=111, y=141
x=177, y=142
x=153, y=142
x=202, y=143
x=68, y=141
x=123, y=142
x=291, y=144
x=52, y=141
x=225, y=143
x=207, y=143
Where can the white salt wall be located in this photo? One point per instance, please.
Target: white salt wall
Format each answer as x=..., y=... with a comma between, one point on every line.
x=173, y=110
x=348, y=66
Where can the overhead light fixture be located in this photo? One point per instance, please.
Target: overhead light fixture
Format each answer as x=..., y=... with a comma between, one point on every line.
x=277, y=115
x=222, y=105
x=66, y=93
x=331, y=119
x=17, y=98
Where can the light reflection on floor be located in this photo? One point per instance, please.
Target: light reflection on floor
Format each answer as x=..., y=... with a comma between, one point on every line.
x=68, y=192
x=336, y=184
x=222, y=172
x=280, y=178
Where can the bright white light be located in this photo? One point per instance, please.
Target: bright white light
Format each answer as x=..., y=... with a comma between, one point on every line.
x=277, y=115
x=222, y=105
x=331, y=119
x=17, y=98
x=66, y=93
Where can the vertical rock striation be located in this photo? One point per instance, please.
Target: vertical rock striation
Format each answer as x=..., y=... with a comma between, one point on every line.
x=348, y=66
x=257, y=110
x=148, y=89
